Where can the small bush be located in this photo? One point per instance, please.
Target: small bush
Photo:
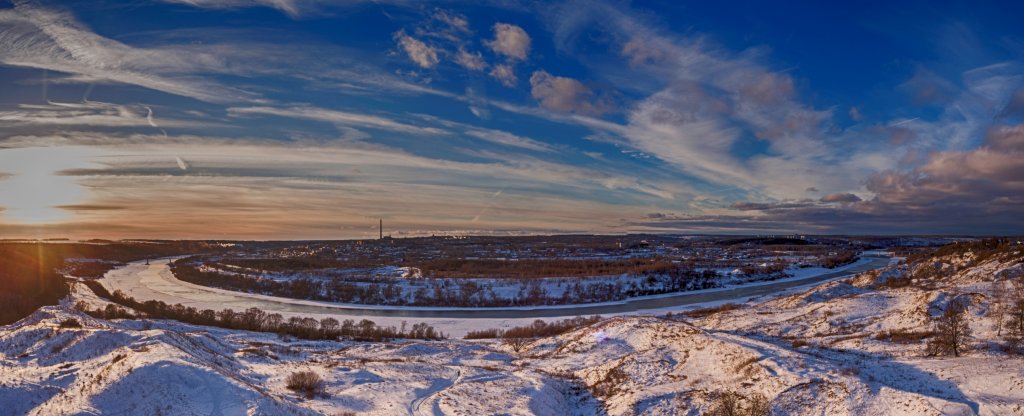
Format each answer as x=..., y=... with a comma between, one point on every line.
x=306, y=382
x=730, y=403
x=70, y=323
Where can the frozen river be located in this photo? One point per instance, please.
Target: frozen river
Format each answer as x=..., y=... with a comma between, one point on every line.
x=156, y=282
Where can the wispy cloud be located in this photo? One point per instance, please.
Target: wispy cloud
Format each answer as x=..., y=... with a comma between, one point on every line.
x=342, y=118
x=89, y=113
x=293, y=8
x=295, y=191
x=35, y=36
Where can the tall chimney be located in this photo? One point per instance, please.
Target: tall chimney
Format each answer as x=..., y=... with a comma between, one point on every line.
x=381, y=228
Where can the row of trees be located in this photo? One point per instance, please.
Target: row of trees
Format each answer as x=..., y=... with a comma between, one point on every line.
x=255, y=319
x=541, y=268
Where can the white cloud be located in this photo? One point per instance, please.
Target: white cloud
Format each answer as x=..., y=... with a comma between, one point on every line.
x=511, y=41
x=473, y=61
x=565, y=94
x=504, y=74
x=422, y=54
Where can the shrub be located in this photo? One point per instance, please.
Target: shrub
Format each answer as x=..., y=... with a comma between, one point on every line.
x=903, y=336
x=70, y=323
x=307, y=383
x=482, y=334
x=703, y=312
x=730, y=403
x=517, y=343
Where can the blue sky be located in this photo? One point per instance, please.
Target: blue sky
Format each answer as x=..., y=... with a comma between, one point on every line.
x=313, y=118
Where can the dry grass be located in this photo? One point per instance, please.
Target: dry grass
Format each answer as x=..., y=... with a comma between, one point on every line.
x=306, y=382
x=903, y=336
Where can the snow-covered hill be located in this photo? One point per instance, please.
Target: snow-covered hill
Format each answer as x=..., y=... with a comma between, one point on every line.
x=826, y=351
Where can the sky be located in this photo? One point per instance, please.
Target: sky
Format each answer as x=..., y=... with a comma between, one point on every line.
x=312, y=119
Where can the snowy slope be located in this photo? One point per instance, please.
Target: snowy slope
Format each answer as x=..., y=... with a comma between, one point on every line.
x=821, y=351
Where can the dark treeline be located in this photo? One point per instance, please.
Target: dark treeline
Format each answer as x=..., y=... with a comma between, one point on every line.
x=540, y=268
x=467, y=292
x=254, y=319
x=32, y=273
x=538, y=329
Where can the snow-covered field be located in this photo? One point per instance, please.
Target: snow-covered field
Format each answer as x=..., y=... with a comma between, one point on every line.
x=813, y=352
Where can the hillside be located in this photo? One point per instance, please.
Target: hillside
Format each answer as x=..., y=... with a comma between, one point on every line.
x=32, y=272
x=854, y=347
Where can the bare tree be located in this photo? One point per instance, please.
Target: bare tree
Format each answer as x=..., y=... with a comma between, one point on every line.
x=1000, y=297
x=1015, y=324
x=516, y=342
x=254, y=318
x=329, y=326
x=952, y=331
x=274, y=321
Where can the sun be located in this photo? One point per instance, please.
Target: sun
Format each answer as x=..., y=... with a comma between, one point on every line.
x=32, y=188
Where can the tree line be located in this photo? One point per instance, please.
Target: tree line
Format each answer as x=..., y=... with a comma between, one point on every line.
x=255, y=319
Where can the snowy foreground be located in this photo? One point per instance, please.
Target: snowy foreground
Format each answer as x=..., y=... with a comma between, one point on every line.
x=816, y=352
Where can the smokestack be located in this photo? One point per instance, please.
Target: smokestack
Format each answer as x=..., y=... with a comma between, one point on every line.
x=381, y=228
